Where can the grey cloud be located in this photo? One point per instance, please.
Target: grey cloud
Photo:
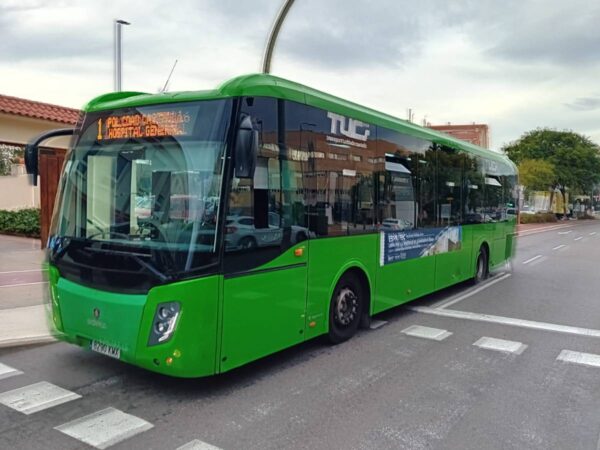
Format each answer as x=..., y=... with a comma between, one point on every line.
x=564, y=34
x=340, y=33
x=584, y=104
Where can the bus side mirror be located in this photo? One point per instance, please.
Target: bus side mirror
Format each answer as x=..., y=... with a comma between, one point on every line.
x=32, y=147
x=31, y=162
x=246, y=149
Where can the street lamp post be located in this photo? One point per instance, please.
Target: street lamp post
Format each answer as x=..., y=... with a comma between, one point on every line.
x=273, y=35
x=118, y=53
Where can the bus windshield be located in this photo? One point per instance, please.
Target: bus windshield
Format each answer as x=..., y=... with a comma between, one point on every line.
x=145, y=182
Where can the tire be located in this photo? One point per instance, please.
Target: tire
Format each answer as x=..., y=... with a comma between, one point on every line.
x=345, y=309
x=247, y=243
x=481, y=267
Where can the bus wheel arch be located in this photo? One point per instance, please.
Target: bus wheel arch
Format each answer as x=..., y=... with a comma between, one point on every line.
x=350, y=305
x=482, y=263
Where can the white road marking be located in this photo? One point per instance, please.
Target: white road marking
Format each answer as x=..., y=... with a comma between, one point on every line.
x=523, y=323
x=532, y=259
x=585, y=359
x=558, y=247
x=446, y=303
x=104, y=428
x=7, y=371
x=592, y=233
x=501, y=345
x=375, y=324
x=23, y=284
x=197, y=445
x=426, y=332
x=565, y=232
x=541, y=230
x=578, y=238
x=37, y=397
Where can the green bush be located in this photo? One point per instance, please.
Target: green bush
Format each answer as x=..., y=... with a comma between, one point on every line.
x=24, y=222
x=538, y=218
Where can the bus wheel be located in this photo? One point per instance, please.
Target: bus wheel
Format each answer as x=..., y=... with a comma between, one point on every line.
x=345, y=310
x=481, y=270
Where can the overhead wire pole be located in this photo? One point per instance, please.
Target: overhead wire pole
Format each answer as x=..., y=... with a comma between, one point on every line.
x=273, y=35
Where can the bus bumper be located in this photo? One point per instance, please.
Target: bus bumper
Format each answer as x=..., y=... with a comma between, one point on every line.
x=119, y=325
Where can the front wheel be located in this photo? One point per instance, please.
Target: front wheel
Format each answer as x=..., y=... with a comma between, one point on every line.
x=345, y=310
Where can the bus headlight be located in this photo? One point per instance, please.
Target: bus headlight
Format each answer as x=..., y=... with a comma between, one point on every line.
x=164, y=322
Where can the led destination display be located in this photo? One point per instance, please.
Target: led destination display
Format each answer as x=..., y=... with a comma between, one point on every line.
x=145, y=125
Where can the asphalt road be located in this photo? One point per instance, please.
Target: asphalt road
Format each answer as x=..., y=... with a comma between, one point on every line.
x=382, y=389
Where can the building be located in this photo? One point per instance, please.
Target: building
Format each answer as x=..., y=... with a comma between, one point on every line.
x=475, y=133
x=20, y=121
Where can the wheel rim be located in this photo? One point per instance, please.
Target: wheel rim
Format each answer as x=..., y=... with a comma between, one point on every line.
x=346, y=307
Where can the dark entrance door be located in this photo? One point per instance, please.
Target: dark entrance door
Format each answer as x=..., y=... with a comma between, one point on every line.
x=50, y=167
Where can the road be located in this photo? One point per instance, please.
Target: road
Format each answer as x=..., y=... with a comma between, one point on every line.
x=383, y=389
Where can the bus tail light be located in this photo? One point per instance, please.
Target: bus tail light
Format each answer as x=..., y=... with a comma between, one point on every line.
x=164, y=322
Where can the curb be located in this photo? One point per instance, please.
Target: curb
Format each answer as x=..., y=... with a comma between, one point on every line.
x=27, y=340
x=25, y=325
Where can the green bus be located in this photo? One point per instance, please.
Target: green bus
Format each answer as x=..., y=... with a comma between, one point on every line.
x=195, y=232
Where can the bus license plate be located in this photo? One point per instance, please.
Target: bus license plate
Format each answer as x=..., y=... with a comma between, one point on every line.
x=107, y=350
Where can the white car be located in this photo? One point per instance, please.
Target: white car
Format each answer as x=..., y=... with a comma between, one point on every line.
x=241, y=232
x=396, y=224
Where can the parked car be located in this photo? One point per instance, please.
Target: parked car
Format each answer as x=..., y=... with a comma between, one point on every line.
x=242, y=234
x=392, y=224
x=526, y=209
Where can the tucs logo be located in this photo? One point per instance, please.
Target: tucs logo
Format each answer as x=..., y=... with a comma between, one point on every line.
x=348, y=127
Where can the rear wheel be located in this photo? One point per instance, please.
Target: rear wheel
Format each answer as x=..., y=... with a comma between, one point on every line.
x=481, y=269
x=345, y=310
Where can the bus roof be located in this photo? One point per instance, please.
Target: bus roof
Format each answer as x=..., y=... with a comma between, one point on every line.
x=265, y=85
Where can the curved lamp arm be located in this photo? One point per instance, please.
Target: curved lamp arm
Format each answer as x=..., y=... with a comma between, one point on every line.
x=273, y=35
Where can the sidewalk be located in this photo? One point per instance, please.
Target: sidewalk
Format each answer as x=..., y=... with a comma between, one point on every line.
x=22, y=293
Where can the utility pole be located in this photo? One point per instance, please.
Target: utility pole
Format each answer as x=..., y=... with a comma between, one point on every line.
x=118, y=23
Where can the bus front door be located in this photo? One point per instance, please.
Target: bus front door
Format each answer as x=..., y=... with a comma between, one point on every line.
x=263, y=308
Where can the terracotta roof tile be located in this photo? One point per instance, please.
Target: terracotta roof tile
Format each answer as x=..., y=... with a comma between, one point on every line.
x=38, y=110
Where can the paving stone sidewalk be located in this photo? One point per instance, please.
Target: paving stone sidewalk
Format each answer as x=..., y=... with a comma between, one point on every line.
x=23, y=308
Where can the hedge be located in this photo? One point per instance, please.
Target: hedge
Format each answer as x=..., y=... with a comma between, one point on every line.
x=24, y=222
x=538, y=218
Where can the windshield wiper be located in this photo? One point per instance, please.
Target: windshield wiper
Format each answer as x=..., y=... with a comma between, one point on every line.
x=137, y=257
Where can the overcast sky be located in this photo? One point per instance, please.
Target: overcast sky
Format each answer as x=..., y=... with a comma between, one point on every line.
x=513, y=64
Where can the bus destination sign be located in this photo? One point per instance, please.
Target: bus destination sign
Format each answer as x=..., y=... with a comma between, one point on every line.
x=145, y=125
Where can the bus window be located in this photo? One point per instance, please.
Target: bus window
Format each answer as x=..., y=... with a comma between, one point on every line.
x=450, y=179
x=473, y=188
x=338, y=180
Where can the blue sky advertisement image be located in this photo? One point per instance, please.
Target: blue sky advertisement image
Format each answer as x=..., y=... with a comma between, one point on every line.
x=402, y=245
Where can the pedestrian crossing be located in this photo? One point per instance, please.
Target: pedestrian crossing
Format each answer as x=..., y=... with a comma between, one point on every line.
x=7, y=371
x=104, y=428
x=101, y=429
x=37, y=397
x=110, y=426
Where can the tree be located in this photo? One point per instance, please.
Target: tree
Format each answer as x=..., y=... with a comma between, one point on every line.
x=537, y=174
x=576, y=159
